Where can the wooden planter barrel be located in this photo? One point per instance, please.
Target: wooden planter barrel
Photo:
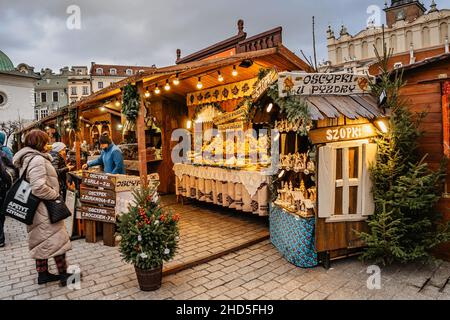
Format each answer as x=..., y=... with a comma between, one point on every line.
x=149, y=280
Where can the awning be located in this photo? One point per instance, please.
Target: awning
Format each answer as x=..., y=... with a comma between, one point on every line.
x=352, y=106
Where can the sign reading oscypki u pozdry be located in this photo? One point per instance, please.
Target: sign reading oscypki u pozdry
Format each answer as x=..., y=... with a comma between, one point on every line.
x=316, y=84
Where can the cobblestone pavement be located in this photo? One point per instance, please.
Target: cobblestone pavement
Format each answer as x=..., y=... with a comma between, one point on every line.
x=257, y=272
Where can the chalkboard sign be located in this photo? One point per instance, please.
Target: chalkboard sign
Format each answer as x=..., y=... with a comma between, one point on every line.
x=97, y=180
x=102, y=214
x=94, y=196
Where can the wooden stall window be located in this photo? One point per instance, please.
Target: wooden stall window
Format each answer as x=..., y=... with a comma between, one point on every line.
x=350, y=191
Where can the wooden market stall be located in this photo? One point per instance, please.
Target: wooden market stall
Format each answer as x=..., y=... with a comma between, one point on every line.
x=324, y=186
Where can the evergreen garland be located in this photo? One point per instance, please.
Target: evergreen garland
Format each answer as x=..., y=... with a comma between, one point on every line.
x=405, y=226
x=295, y=108
x=73, y=119
x=131, y=103
x=201, y=107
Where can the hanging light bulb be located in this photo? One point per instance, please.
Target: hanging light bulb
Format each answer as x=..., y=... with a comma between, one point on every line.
x=157, y=90
x=269, y=107
x=234, y=73
x=102, y=109
x=220, y=78
x=147, y=94
x=120, y=126
x=199, y=83
x=117, y=103
x=176, y=81
x=167, y=86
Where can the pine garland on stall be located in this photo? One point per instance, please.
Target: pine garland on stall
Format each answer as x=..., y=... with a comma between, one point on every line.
x=405, y=226
x=73, y=119
x=295, y=108
x=131, y=103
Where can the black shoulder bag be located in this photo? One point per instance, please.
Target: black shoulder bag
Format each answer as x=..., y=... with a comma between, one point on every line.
x=57, y=209
x=20, y=203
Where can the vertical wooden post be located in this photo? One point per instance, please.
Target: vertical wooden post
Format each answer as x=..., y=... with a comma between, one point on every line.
x=140, y=135
x=78, y=151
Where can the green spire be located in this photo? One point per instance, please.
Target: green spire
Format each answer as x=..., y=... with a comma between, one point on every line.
x=5, y=63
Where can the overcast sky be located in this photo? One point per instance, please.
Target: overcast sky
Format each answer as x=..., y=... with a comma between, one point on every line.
x=146, y=32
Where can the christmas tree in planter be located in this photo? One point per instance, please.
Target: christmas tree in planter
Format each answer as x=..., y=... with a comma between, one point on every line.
x=405, y=226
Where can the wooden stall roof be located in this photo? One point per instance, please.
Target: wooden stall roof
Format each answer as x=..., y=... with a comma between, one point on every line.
x=352, y=107
x=278, y=57
x=61, y=112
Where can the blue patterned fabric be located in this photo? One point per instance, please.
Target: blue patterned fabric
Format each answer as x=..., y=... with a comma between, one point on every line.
x=293, y=237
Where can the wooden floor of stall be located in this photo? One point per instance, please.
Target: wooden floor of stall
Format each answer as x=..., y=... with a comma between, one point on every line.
x=208, y=232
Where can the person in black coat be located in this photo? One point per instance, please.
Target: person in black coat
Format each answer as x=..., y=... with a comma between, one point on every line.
x=8, y=174
x=58, y=154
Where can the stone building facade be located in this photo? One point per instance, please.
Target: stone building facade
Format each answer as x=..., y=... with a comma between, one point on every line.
x=410, y=29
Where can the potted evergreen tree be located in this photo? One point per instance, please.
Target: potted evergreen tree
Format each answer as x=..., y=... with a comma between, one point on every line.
x=148, y=237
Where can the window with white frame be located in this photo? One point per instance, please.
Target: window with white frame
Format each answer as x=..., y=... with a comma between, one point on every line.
x=113, y=72
x=73, y=91
x=99, y=71
x=129, y=72
x=44, y=113
x=100, y=85
x=345, y=187
x=85, y=90
x=36, y=114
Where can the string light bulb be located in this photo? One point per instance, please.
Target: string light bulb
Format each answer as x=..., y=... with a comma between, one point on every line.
x=167, y=86
x=102, y=109
x=234, y=73
x=147, y=94
x=199, y=83
x=117, y=103
x=157, y=90
x=176, y=81
x=220, y=78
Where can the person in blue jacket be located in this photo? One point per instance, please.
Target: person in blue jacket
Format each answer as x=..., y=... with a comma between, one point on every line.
x=111, y=158
x=4, y=147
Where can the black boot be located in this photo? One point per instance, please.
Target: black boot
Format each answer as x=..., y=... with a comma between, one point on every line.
x=47, y=277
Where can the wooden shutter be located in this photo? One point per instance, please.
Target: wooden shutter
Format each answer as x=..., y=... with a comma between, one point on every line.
x=326, y=182
x=369, y=158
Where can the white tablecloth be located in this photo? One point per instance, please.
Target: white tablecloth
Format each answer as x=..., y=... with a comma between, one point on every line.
x=236, y=189
x=251, y=180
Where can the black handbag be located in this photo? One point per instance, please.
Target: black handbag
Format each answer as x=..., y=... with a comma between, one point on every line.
x=57, y=210
x=20, y=203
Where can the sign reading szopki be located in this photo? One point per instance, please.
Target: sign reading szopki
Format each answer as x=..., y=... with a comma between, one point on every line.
x=310, y=84
x=343, y=133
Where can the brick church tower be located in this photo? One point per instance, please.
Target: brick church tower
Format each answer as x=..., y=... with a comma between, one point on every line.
x=408, y=10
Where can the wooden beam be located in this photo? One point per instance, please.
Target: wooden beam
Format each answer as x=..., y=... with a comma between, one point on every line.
x=78, y=151
x=140, y=135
